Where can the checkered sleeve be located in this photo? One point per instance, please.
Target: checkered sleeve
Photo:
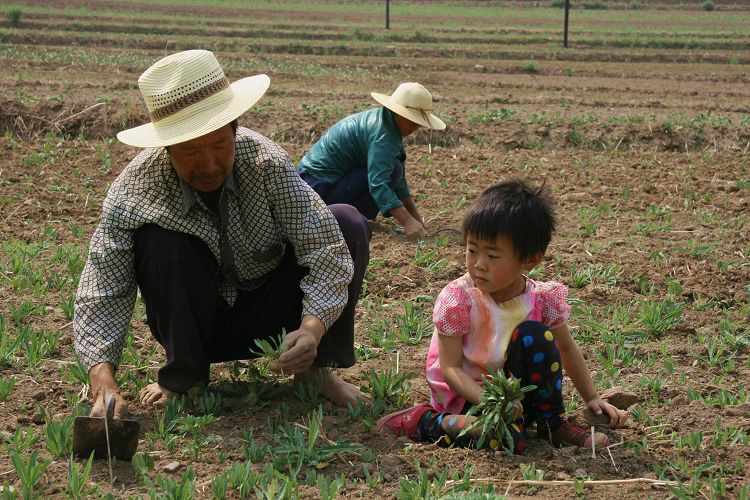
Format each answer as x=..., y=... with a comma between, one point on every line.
x=106, y=292
x=313, y=231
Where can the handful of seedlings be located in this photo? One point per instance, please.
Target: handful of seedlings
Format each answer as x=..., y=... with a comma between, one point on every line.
x=270, y=348
x=496, y=409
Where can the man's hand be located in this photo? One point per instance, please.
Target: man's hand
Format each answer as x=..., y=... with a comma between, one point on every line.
x=99, y=409
x=617, y=416
x=300, y=347
x=102, y=379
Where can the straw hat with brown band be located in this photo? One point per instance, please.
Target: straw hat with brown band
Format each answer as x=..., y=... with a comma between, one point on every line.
x=188, y=96
x=412, y=101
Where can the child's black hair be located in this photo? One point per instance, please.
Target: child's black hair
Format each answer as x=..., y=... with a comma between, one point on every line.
x=512, y=208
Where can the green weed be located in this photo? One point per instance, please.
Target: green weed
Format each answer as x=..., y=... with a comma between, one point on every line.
x=296, y=450
x=389, y=386
x=659, y=317
x=170, y=488
x=29, y=471
x=6, y=387
x=194, y=426
x=78, y=480
x=60, y=437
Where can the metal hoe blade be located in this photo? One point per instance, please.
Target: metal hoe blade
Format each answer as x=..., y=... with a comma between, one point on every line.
x=91, y=434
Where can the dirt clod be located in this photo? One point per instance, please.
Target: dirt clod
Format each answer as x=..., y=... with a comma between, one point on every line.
x=619, y=397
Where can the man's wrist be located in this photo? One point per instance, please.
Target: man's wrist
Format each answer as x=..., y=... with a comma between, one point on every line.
x=314, y=326
x=102, y=375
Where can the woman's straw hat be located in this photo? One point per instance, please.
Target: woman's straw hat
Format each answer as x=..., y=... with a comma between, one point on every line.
x=413, y=102
x=187, y=96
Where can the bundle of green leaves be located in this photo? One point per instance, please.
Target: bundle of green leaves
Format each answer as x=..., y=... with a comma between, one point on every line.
x=497, y=408
x=270, y=348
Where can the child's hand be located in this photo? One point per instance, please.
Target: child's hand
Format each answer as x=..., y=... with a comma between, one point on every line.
x=519, y=409
x=617, y=416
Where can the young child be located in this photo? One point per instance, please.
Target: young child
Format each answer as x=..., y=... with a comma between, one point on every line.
x=495, y=316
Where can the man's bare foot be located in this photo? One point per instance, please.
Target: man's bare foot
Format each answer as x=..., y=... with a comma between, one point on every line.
x=154, y=394
x=339, y=391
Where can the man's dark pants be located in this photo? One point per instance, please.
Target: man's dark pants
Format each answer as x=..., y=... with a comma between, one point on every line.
x=177, y=276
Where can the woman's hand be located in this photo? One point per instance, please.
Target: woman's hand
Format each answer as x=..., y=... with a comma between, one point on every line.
x=617, y=416
x=414, y=229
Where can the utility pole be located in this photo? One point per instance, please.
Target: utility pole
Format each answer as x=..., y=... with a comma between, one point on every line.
x=387, y=14
x=565, y=31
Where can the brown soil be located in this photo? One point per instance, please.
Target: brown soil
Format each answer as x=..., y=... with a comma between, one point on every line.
x=658, y=140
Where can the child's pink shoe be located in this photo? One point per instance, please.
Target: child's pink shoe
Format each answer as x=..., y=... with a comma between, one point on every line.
x=404, y=422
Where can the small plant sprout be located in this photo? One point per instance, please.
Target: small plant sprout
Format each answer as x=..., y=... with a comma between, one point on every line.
x=60, y=437
x=169, y=488
x=530, y=473
x=497, y=408
x=78, y=479
x=29, y=471
x=142, y=463
x=194, y=426
x=389, y=386
x=270, y=348
x=6, y=387
x=659, y=317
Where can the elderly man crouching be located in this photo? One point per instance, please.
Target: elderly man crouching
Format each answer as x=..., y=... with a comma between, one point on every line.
x=224, y=240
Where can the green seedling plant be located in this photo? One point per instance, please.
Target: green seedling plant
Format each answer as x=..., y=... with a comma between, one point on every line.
x=166, y=422
x=60, y=437
x=433, y=483
x=171, y=489
x=659, y=317
x=309, y=392
x=379, y=332
x=6, y=387
x=252, y=452
x=77, y=373
x=329, y=488
x=412, y=325
x=22, y=440
x=29, y=472
x=271, y=348
x=366, y=412
x=496, y=410
x=296, y=450
x=78, y=479
x=373, y=480
x=9, y=346
x=428, y=259
x=389, y=386
x=530, y=473
x=142, y=463
x=68, y=306
x=239, y=477
x=204, y=401
x=273, y=485
x=194, y=427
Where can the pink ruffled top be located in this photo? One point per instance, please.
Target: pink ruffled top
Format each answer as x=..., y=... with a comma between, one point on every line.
x=463, y=310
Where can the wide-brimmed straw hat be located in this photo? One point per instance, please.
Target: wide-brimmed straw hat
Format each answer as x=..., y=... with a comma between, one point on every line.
x=412, y=101
x=187, y=96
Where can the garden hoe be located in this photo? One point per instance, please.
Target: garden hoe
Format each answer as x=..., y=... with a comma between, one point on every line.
x=105, y=436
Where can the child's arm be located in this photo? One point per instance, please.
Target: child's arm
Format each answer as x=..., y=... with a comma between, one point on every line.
x=575, y=367
x=451, y=364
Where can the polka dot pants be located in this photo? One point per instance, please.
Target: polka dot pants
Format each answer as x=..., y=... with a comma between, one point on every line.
x=534, y=358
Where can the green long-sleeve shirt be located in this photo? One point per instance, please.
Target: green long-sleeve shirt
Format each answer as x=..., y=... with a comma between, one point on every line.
x=369, y=139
